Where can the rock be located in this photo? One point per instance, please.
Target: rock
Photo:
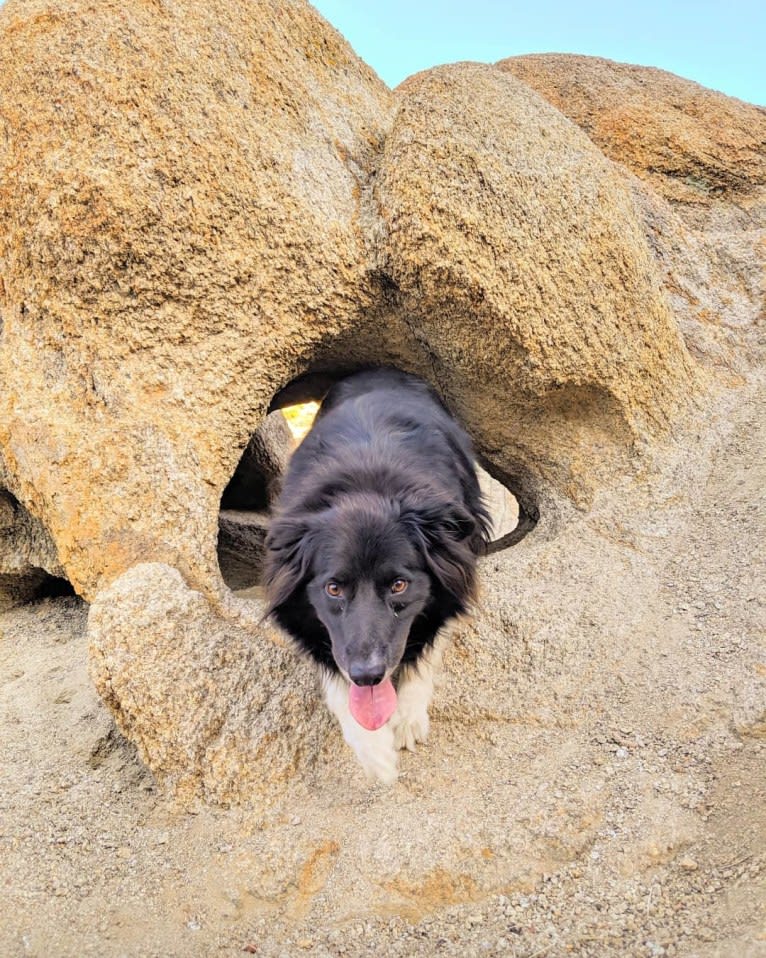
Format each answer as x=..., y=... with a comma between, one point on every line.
x=257, y=479
x=522, y=268
x=27, y=553
x=243, y=519
x=17, y=589
x=181, y=199
x=241, y=546
x=693, y=145
x=212, y=711
x=205, y=204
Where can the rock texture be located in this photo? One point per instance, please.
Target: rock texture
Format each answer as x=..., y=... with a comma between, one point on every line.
x=202, y=203
x=193, y=220
x=257, y=479
x=694, y=146
x=180, y=197
x=524, y=272
x=203, y=702
x=27, y=553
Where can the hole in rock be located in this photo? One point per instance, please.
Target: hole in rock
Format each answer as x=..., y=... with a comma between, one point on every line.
x=54, y=587
x=248, y=498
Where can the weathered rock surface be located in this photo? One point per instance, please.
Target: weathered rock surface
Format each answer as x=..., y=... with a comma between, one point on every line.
x=202, y=203
x=694, y=146
x=202, y=182
x=602, y=789
x=180, y=197
x=27, y=553
x=257, y=479
x=525, y=274
x=205, y=702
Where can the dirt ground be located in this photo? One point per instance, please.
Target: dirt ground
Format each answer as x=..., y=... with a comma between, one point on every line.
x=637, y=829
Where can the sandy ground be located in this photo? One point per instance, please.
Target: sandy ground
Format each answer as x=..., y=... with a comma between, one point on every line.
x=639, y=829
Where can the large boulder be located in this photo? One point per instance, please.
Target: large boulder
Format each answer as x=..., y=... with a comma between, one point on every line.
x=181, y=199
x=522, y=267
x=191, y=223
x=207, y=707
x=203, y=203
x=695, y=146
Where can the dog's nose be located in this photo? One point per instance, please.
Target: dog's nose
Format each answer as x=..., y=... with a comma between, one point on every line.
x=366, y=675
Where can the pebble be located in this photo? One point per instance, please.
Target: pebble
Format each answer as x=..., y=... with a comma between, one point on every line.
x=688, y=864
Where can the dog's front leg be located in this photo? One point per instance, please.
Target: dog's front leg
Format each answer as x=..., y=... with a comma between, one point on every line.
x=376, y=750
x=416, y=688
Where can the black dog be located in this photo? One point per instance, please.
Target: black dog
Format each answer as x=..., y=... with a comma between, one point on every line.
x=373, y=550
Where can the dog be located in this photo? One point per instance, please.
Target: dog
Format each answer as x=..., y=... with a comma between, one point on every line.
x=372, y=551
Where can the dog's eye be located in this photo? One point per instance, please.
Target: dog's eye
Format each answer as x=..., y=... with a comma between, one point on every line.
x=398, y=586
x=333, y=589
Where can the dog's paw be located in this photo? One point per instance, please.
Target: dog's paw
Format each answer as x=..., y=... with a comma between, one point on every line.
x=375, y=750
x=411, y=728
x=376, y=753
x=380, y=767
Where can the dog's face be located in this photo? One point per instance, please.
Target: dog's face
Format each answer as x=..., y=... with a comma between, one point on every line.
x=368, y=586
x=368, y=568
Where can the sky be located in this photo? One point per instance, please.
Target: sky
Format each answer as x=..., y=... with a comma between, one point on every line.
x=720, y=45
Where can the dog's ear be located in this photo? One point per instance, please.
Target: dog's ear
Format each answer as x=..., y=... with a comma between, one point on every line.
x=444, y=532
x=289, y=554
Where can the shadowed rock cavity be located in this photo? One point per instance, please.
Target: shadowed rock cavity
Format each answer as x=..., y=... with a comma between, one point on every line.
x=250, y=494
x=29, y=565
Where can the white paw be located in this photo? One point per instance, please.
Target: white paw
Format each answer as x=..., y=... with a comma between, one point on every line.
x=376, y=751
x=411, y=728
x=410, y=721
x=380, y=762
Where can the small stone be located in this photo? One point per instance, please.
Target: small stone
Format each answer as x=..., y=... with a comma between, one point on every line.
x=688, y=864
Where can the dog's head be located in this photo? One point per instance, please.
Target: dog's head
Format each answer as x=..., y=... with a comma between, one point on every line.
x=376, y=574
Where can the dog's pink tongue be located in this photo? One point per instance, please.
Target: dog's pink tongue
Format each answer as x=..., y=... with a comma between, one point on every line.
x=372, y=705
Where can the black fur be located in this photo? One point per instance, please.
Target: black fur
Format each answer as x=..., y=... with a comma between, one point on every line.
x=382, y=488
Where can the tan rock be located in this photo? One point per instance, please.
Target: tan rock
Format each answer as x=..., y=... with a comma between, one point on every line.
x=257, y=479
x=199, y=207
x=211, y=710
x=27, y=553
x=693, y=145
x=524, y=273
x=180, y=193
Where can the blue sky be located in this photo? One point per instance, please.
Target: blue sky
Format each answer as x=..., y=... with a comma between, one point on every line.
x=721, y=45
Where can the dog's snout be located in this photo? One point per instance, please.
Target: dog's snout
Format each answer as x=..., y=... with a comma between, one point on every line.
x=366, y=674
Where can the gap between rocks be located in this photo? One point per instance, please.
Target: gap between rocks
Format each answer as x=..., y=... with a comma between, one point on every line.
x=254, y=487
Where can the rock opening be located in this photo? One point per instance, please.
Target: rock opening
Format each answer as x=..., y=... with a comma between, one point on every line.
x=247, y=499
